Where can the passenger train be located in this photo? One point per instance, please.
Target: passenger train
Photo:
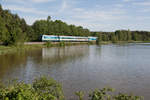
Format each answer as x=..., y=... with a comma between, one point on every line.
x=55, y=38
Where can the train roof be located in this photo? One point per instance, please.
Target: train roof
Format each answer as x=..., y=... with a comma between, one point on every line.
x=71, y=36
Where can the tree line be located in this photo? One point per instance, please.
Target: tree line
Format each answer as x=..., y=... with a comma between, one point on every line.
x=123, y=35
x=14, y=30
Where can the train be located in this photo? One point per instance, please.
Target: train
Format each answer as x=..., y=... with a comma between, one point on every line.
x=55, y=38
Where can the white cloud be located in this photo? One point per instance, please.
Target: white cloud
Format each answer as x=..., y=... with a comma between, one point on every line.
x=26, y=10
x=142, y=18
x=28, y=1
x=99, y=15
x=16, y=1
x=142, y=3
x=31, y=19
x=144, y=10
x=119, y=5
x=77, y=9
x=64, y=6
x=97, y=26
x=41, y=1
x=127, y=0
x=97, y=19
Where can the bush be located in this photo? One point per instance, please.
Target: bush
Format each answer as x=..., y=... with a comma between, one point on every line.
x=48, y=89
x=41, y=89
x=107, y=94
x=61, y=44
x=80, y=94
x=48, y=44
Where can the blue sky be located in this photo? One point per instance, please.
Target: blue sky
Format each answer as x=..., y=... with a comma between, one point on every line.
x=96, y=15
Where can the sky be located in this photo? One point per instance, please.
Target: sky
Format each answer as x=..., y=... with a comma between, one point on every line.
x=96, y=15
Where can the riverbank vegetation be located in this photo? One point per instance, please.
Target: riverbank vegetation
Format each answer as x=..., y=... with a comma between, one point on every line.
x=48, y=89
x=14, y=30
x=18, y=48
x=123, y=36
x=21, y=48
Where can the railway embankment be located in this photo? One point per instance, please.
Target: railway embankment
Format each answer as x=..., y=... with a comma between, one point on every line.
x=36, y=45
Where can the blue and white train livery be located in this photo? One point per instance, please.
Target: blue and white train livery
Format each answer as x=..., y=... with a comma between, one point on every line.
x=55, y=38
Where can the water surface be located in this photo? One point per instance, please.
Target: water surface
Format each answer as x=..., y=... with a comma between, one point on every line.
x=124, y=67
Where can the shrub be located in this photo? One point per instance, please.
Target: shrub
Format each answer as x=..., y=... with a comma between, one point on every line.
x=80, y=94
x=107, y=94
x=41, y=89
x=48, y=89
x=61, y=44
x=48, y=44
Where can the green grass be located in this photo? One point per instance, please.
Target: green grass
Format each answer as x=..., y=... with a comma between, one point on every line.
x=121, y=42
x=12, y=49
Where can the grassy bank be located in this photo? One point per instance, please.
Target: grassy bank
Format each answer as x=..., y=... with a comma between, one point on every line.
x=122, y=42
x=12, y=49
x=29, y=46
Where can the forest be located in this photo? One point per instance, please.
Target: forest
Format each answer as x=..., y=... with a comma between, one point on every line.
x=14, y=30
x=123, y=35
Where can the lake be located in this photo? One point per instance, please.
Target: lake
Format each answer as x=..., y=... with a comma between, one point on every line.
x=124, y=67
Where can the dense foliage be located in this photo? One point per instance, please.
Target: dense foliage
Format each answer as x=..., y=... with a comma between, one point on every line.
x=107, y=94
x=40, y=89
x=123, y=35
x=48, y=89
x=12, y=28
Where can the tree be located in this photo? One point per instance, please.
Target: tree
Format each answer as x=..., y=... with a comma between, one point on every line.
x=129, y=35
x=1, y=9
x=113, y=37
x=3, y=31
x=40, y=27
x=30, y=34
x=48, y=18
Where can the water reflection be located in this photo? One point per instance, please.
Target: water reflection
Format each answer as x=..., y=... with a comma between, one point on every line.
x=61, y=54
x=26, y=65
x=12, y=65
